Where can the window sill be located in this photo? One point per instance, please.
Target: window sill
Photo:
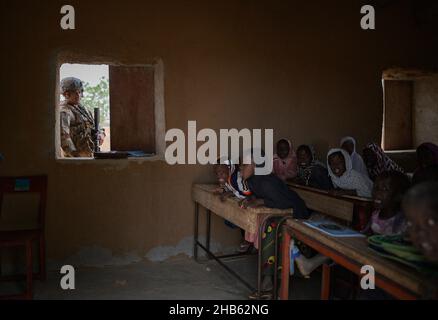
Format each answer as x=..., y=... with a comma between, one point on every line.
x=400, y=151
x=109, y=161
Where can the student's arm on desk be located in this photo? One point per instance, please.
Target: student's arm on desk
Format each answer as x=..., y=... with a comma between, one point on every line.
x=226, y=195
x=222, y=193
x=251, y=202
x=219, y=190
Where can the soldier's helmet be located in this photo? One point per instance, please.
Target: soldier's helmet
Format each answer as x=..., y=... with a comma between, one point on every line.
x=71, y=84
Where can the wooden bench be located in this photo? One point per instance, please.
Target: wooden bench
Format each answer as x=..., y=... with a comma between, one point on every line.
x=248, y=219
x=352, y=253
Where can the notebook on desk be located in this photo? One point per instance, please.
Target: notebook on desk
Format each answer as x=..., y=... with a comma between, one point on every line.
x=333, y=229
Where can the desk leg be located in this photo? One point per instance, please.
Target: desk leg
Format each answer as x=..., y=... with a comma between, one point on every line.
x=29, y=268
x=262, y=229
x=195, y=235
x=285, y=254
x=325, y=287
x=259, y=260
x=42, y=256
x=208, y=232
x=285, y=266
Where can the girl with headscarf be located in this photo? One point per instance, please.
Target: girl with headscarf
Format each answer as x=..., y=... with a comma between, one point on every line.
x=344, y=177
x=311, y=172
x=285, y=161
x=377, y=161
x=349, y=145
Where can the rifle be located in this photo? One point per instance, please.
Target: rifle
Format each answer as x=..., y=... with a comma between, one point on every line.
x=96, y=129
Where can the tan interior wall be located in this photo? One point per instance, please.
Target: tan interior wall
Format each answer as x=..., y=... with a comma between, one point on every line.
x=397, y=122
x=426, y=110
x=304, y=68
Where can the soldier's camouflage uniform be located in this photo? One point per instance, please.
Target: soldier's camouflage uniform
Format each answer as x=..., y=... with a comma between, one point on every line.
x=77, y=126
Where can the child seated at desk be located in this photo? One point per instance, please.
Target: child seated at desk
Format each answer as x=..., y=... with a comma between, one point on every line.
x=311, y=172
x=285, y=160
x=272, y=192
x=230, y=180
x=344, y=177
x=387, y=217
x=231, y=184
x=349, y=145
x=421, y=208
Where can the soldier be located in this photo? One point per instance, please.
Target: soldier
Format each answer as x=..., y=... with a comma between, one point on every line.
x=77, y=123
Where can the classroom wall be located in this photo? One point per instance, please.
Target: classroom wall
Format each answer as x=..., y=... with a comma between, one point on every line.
x=304, y=68
x=425, y=100
x=397, y=121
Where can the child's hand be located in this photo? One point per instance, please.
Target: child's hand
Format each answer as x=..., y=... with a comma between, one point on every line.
x=218, y=190
x=224, y=196
x=257, y=203
x=251, y=203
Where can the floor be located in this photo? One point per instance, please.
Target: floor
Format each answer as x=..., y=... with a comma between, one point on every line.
x=176, y=278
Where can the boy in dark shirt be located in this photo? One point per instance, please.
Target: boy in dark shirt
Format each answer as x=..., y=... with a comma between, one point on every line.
x=273, y=192
x=270, y=190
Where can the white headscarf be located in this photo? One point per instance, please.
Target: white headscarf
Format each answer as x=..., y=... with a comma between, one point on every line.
x=351, y=179
x=356, y=159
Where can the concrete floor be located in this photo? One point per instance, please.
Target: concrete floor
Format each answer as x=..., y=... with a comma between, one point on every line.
x=178, y=278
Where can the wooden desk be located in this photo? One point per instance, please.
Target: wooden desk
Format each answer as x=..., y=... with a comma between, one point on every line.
x=353, y=253
x=247, y=219
x=356, y=211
